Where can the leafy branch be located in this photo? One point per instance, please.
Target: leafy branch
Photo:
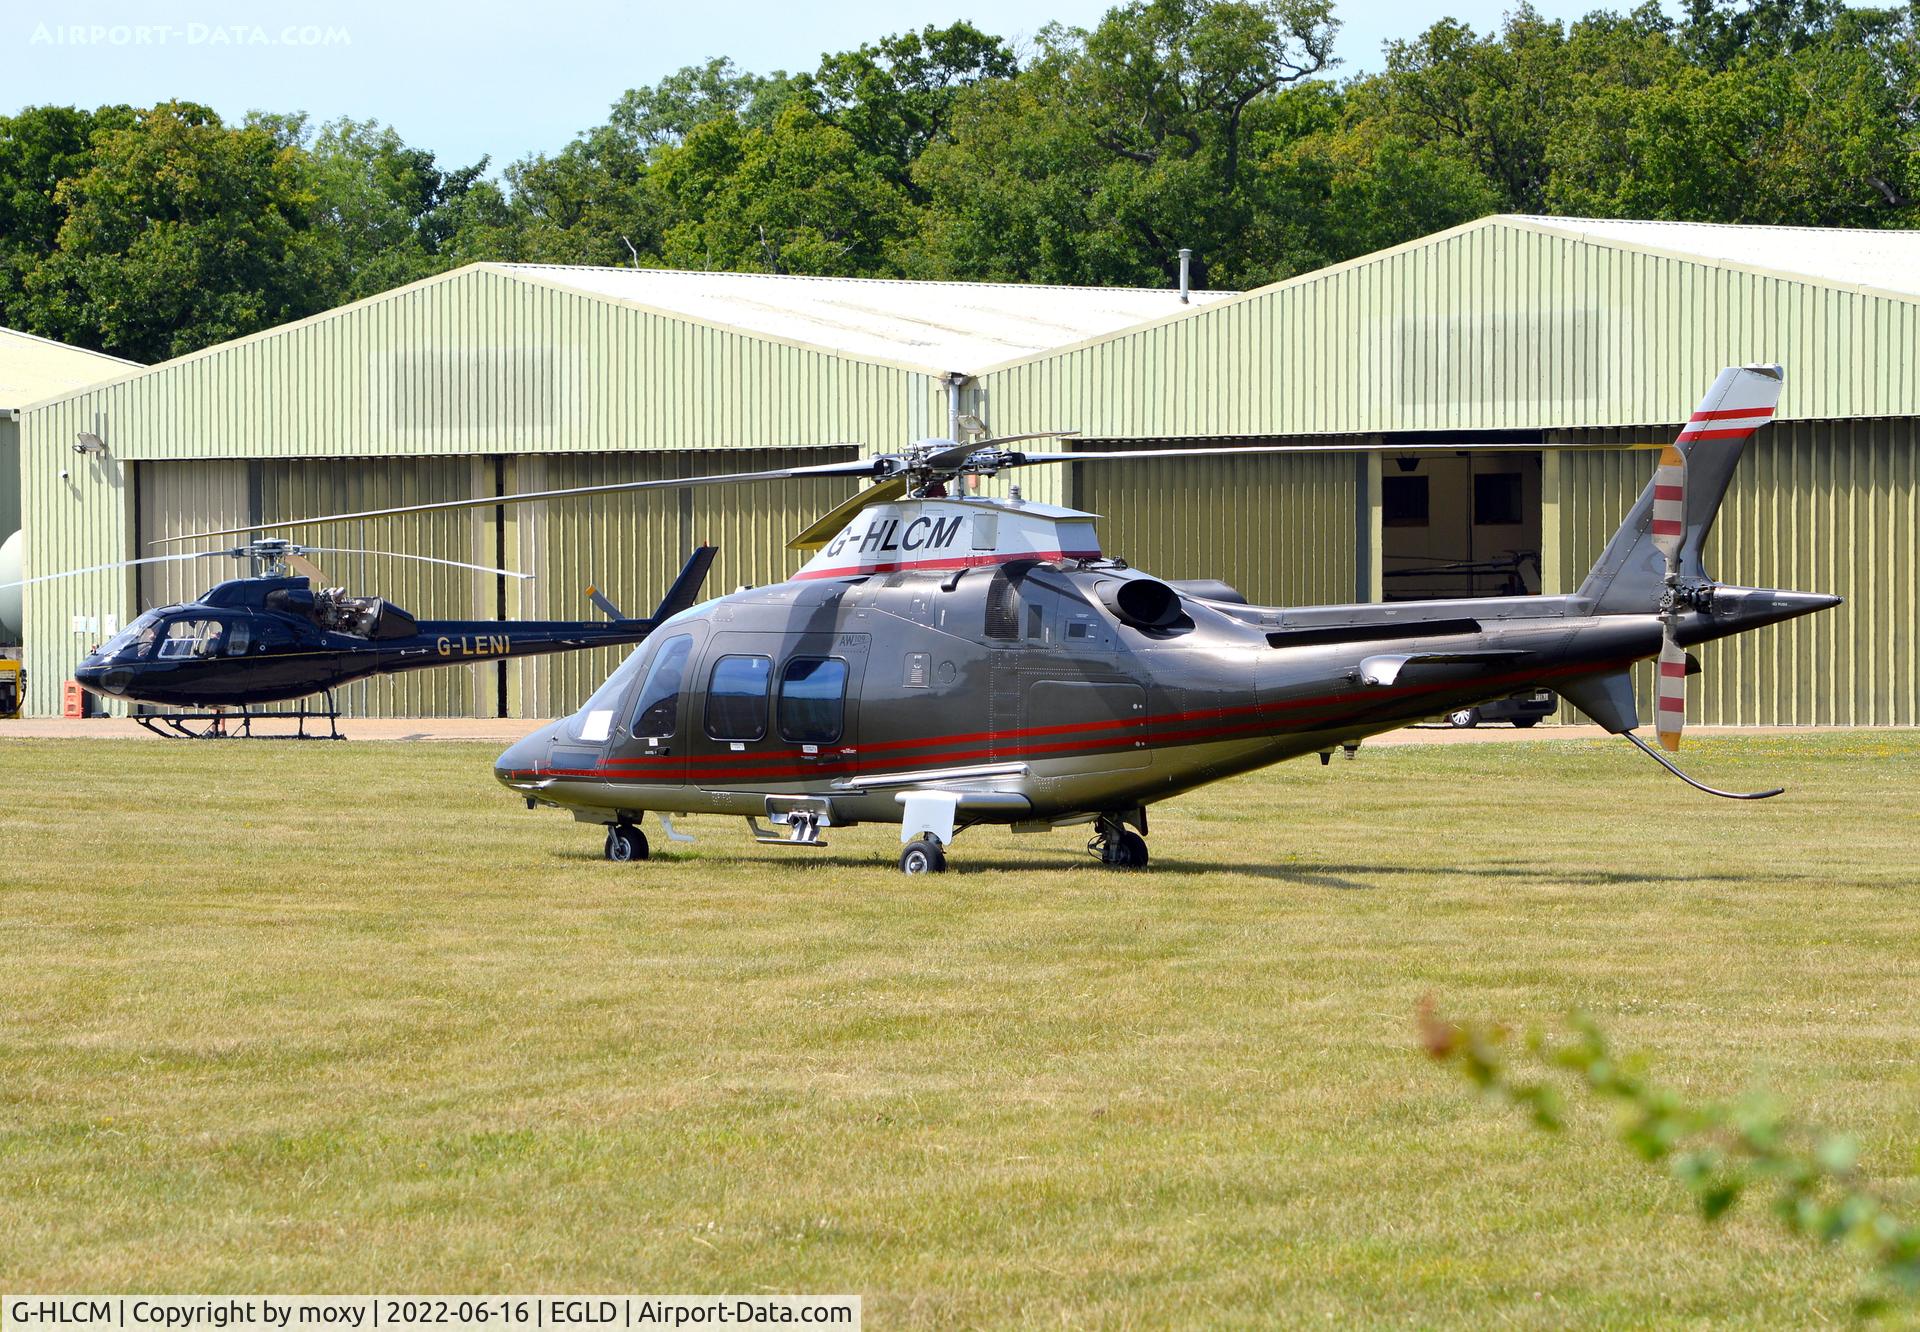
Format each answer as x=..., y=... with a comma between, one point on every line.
x=1720, y=1150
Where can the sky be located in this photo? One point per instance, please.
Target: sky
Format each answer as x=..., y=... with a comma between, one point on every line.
x=506, y=78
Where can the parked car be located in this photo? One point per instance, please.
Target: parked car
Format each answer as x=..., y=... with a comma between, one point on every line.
x=1521, y=709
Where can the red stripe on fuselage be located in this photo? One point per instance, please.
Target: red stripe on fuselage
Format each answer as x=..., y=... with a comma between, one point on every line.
x=985, y=746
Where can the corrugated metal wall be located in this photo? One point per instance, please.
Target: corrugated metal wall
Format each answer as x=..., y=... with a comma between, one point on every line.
x=476, y=362
x=1500, y=325
x=1817, y=506
x=1283, y=530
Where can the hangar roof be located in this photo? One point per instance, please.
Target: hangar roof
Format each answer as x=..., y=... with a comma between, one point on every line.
x=1887, y=260
x=32, y=368
x=935, y=326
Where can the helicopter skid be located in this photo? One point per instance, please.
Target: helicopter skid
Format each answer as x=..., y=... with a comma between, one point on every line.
x=229, y=724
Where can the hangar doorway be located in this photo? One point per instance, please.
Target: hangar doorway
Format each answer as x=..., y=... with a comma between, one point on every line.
x=1463, y=524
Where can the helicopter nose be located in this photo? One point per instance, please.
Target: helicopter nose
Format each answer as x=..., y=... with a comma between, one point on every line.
x=521, y=760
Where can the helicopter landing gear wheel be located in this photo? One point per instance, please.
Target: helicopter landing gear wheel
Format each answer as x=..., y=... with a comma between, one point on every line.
x=1118, y=846
x=924, y=856
x=1127, y=851
x=626, y=842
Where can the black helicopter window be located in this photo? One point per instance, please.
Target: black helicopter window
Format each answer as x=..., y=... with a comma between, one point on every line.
x=187, y=639
x=238, y=639
x=737, y=698
x=813, y=700
x=135, y=641
x=658, y=712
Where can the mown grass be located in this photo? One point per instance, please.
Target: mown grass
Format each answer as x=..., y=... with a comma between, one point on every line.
x=346, y=1018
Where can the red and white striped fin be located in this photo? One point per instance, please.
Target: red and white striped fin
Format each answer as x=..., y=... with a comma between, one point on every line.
x=1670, y=694
x=1670, y=503
x=1739, y=403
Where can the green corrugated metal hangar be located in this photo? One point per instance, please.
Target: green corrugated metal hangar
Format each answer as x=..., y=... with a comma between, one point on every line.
x=1590, y=339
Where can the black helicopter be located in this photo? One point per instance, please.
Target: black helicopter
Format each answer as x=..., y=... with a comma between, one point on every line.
x=277, y=637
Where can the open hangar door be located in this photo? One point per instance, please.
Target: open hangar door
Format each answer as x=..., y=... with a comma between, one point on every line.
x=1463, y=523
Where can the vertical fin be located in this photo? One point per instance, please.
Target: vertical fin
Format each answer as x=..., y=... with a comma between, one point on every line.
x=1631, y=574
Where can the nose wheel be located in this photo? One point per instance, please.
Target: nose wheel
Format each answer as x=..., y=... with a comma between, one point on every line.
x=924, y=856
x=626, y=842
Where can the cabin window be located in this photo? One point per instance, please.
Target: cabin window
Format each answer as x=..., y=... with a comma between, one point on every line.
x=658, y=712
x=238, y=637
x=188, y=639
x=135, y=641
x=737, y=698
x=813, y=700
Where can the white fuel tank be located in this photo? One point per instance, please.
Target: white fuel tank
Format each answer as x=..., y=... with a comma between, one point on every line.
x=12, y=552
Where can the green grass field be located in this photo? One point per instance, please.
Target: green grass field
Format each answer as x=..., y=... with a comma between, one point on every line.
x=348, y=1019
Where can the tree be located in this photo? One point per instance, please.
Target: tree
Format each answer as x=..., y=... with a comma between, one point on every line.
x=183, y=232
x=39, y=148
x=387, y=208
x=1120, y=145
x=793, y=198
x=895, y=97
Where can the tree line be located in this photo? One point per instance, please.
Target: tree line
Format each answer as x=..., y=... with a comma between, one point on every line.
x=1090, y=158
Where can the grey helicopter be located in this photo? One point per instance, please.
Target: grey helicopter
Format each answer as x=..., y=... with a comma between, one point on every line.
x=948, y=660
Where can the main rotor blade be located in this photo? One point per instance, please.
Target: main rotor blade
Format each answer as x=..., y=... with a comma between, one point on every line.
x=1123, y=455
x=823, y=529
x=307, y=569
x=424, y=559
x=1034, y=434
x=850, y=467
x=125, y=564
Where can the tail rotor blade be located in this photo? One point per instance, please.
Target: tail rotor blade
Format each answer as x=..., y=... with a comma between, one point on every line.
x=1670, y=694
x=1670, y=505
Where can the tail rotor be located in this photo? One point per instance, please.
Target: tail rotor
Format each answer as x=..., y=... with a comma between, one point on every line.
x=1668, y=529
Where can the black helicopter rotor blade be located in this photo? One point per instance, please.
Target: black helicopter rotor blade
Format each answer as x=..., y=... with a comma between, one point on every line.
x=858, y=467
x=424, y=559
x=125, y=564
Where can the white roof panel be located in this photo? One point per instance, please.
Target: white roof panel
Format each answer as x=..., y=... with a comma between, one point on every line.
x=936, y=326
x=32, y=368
x=1887, y=260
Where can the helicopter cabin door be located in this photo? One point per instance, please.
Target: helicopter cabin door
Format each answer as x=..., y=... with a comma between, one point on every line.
x=643, y=716
x=777, y=709
x=1062, y=687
